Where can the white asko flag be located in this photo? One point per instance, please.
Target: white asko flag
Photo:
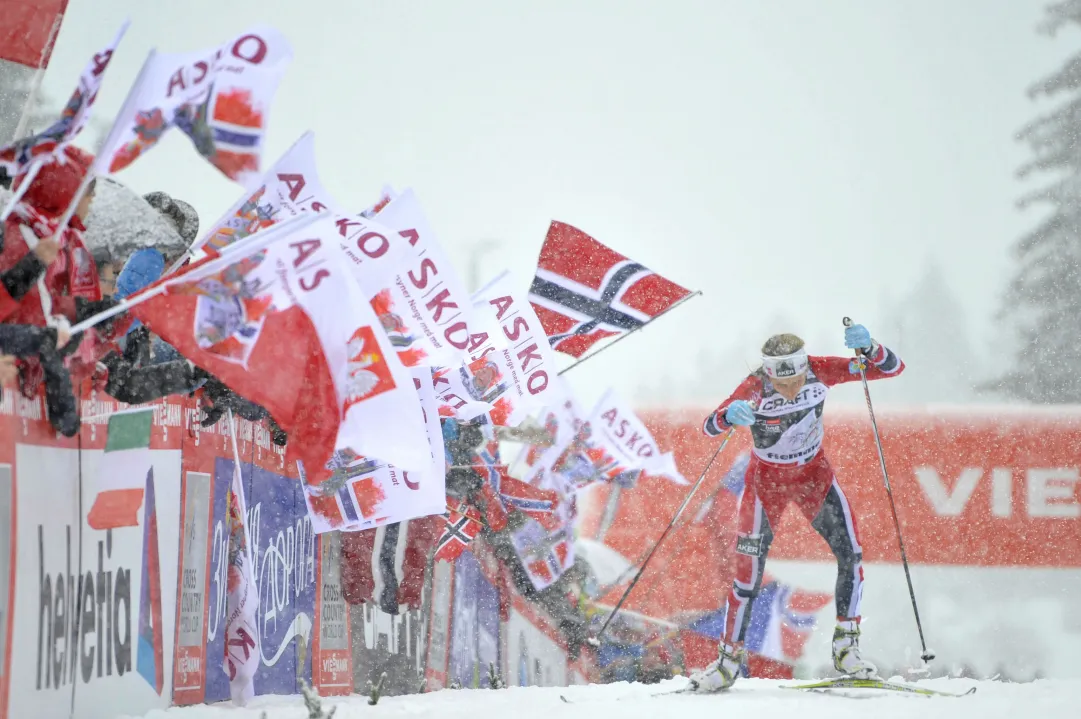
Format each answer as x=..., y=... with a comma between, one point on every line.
x=90, y=82
x=381, y=413
x=292, y=186
x=619, y=430
x=561, y=422
x=412, y=494
x=431, y=495
x=426, y=306
x=508, y=325
x=220, y=97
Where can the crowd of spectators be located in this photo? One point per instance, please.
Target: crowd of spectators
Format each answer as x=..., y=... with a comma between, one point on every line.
x=53, y=278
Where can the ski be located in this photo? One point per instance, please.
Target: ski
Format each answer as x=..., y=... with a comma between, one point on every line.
x=670, y=692
x=854, y=683
x=689, y=689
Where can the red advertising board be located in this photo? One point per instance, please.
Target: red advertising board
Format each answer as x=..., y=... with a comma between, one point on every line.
x=973, y=487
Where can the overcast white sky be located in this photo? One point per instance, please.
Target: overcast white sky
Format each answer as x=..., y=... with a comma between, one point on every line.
x=795, y=158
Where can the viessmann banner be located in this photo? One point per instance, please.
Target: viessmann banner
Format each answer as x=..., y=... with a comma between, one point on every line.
x=972, y=487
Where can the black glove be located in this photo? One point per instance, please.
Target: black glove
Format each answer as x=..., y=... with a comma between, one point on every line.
x=217, y=398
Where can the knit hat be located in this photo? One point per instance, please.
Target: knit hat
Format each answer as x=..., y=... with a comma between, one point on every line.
x=55, y=185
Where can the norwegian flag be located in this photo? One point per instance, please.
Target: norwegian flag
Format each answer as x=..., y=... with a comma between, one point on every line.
x=460, y=527
x=782, y=620
x=544, y=554
x=540, y=504
x=584, y=291
x=350, y=503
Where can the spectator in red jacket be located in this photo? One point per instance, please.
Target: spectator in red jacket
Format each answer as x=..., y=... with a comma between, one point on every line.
x=72, y=273
x=51, y=273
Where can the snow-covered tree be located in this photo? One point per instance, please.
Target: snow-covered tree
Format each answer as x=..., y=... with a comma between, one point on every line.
x=1041, y=309
x=927, y=328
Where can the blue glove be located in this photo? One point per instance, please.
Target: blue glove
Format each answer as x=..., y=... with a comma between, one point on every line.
x=857, y=337
x=739, y=412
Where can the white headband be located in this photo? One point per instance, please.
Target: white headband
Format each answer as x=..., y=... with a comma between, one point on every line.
x=785, y=366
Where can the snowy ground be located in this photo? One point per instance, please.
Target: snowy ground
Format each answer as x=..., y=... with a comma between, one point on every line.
x=757, y=698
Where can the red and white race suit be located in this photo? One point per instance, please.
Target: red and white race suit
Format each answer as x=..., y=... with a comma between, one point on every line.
x=788, y=466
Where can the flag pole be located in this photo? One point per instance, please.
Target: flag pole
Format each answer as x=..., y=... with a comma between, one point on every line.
x=596, y=639
x=117, y=309
x=623, y=336
x=258, y=241
x=126, y=110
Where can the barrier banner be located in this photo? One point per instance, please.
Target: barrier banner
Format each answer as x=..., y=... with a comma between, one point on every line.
x=536, y=652
x=286, y=571
x=41, y=513
x=132, y=555
x=391, y=643
x=474, y=639
x=331, y=640
x=91, y=584
x=7, y=557
x=442, y=595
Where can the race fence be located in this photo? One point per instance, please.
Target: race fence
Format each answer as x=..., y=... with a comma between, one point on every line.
x=101, y=617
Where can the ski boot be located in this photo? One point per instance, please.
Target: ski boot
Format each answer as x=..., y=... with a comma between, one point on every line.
x=721, y=674
x=846, y=651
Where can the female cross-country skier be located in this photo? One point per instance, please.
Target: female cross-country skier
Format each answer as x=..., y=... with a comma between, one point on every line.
x=782, y=404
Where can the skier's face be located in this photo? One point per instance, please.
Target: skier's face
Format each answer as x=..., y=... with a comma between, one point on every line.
x=789, y=387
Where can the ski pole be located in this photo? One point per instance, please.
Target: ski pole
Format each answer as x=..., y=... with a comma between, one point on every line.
x=687, y=519
x=596, y=640
x=860, y=362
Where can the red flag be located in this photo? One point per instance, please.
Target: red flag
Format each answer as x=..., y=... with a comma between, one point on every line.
x=286, y=371
x=280, y=320
x=26, y=34
x=584, y=291
x=460, y=528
